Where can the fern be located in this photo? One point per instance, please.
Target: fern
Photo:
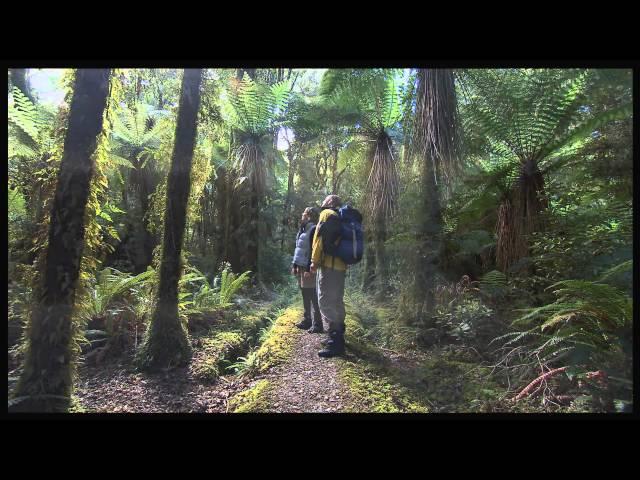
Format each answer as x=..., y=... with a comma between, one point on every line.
x=494, y=284
x=588, y=315
x=229, y=285
x=110, y=284
x=220, y=295
x=616, y=270
x=23, y=113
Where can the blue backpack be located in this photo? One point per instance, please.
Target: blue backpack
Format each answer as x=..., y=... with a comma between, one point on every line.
x=342, y=235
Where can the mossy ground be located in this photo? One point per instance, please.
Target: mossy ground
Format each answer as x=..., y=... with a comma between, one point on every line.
x=280, y=340
x=230, y=337
x=440, y=380
x=366, y=374
x=251, y=400
x=216, y=354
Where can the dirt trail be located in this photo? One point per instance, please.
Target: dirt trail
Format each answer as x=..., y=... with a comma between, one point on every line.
x=306, y=382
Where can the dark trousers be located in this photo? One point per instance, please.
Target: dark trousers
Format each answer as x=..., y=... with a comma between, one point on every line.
x=309, y=297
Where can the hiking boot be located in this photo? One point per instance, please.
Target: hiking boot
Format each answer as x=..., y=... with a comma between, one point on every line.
x=304, y=324
x=326, y=341
x=334, y=347
x=316, y=328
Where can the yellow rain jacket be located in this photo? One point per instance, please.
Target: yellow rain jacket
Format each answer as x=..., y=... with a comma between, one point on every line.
x=318, y=257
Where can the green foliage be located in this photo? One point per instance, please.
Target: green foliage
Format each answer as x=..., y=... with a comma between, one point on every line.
x=23, y=113
x=247, y=367
x=374, y=95
x=494, y=285
x=255, y=108
x=216, y=355
x=220, y=295
x=111, y=285
x=588, y=323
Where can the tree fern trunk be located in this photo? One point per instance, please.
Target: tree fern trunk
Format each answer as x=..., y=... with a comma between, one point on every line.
x=46, y=381
x=381, y=272
x=520, y=218
x=369, y=273
x=429, y=238
x=166, y=343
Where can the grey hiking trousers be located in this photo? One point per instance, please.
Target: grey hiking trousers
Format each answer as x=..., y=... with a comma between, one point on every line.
x=330, y=287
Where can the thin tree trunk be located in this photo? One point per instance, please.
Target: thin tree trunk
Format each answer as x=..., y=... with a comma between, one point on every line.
x=369, y=268
x=287, y=201
x=381, y=275
x=334, y=171
x=167, y=343
x=19, y=79
x=222, y=202
x=46, y=382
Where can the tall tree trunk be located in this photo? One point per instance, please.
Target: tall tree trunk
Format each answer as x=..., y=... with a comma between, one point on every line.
x=334, y=170
x=381, y=272
x=520, y=218
x=250, y=71
x=166, y=342
x=253, y=234
x=19, y=79
x=222, y=206
x=287, y=201
x=369, y=273
x=46, y=382
x=436, y=135
x=429, y=238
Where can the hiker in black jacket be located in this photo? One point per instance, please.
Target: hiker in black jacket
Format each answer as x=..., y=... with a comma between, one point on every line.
x=300, y=266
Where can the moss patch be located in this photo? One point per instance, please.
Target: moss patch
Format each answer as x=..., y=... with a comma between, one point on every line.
x=377, y=393
x=275, y=350
x=444, y=381
x=230, y=336
x=366, y=373
x=216, y=354
x=280, y=341
x=456, y=386
x=252, y=400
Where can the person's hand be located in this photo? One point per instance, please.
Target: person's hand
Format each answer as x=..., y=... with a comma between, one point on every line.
x=306, y=274
x=313, y=268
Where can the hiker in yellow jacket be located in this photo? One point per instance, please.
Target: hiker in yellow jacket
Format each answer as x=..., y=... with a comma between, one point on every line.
x=330, y=282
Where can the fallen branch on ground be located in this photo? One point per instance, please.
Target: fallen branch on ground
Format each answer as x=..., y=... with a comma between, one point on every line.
x=537, y=381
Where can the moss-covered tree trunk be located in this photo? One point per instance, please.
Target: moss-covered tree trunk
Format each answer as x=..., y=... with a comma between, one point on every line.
x=47, y=378
x=166, y=343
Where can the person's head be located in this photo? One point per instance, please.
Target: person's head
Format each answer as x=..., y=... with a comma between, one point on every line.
x=309, y=214
x=332, y=201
